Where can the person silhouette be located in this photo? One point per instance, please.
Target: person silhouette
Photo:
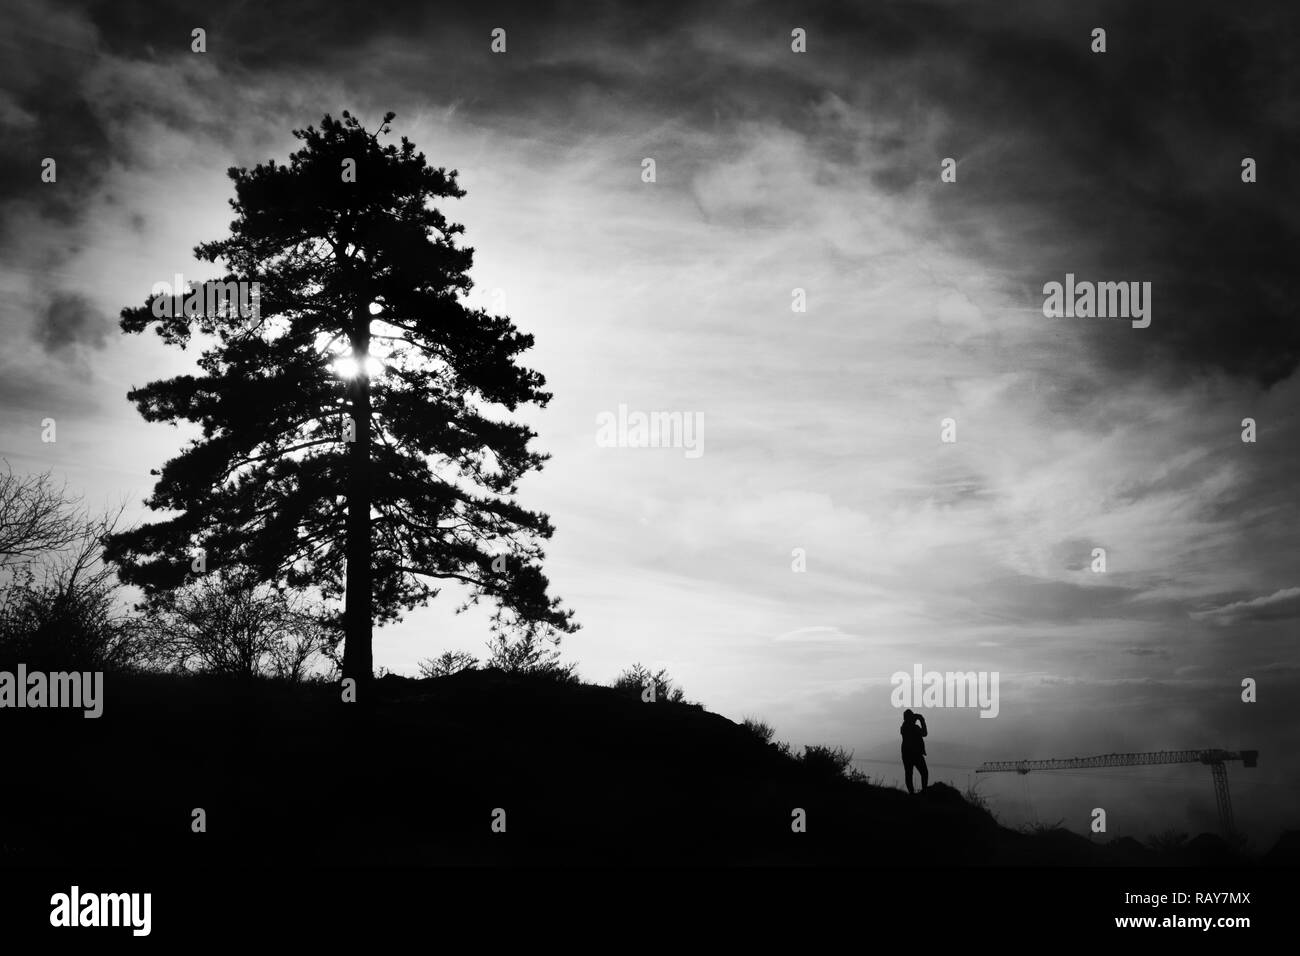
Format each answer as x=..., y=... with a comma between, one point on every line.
x=914, y=732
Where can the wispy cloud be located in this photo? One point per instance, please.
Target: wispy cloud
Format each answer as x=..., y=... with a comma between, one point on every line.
x=1278, y=606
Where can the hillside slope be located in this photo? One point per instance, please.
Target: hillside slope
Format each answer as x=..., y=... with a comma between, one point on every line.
x=585, y=775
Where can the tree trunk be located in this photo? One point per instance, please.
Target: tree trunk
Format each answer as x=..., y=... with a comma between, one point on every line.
x=358, y=661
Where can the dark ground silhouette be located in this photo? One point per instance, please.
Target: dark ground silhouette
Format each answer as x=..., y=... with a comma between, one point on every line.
x=586, y=774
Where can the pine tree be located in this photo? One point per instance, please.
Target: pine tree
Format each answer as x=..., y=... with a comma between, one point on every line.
x=354, y=435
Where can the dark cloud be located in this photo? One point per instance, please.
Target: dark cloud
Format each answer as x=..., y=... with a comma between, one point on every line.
x=1127, y=165
x=1123, y=165
x=45, y=51
x=70, y=320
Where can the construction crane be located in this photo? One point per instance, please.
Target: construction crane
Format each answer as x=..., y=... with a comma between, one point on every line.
x=1214, y=758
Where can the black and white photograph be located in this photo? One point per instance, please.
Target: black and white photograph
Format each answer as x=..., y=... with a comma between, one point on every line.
x=811, y=464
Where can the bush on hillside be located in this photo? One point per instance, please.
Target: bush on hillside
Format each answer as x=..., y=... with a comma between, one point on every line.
x=62, y=610
x=529, y=654
x=761, y=730
x=448, y=663
x=638, y=678
x=231, y=625
x=826, y=761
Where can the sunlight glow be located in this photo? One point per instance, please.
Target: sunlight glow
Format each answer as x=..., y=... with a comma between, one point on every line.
x=345, y=366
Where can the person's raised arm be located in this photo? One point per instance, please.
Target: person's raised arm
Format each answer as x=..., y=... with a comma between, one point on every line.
x=924, y=730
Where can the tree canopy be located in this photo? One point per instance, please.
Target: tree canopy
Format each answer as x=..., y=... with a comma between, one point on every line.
x=354, y=429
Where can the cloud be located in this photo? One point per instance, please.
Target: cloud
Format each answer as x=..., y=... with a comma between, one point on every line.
x=1123, y=165
x=69, y=320
x=1281, y=605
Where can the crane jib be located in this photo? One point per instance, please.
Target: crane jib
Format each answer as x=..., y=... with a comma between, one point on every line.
x=1213, y=757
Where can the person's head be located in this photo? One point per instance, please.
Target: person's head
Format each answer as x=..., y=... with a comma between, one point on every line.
x=908, y=717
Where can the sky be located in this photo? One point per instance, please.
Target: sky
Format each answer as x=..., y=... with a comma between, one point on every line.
x=777, y=171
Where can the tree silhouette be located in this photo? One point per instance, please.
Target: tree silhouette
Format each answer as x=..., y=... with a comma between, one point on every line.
x=313, y=469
